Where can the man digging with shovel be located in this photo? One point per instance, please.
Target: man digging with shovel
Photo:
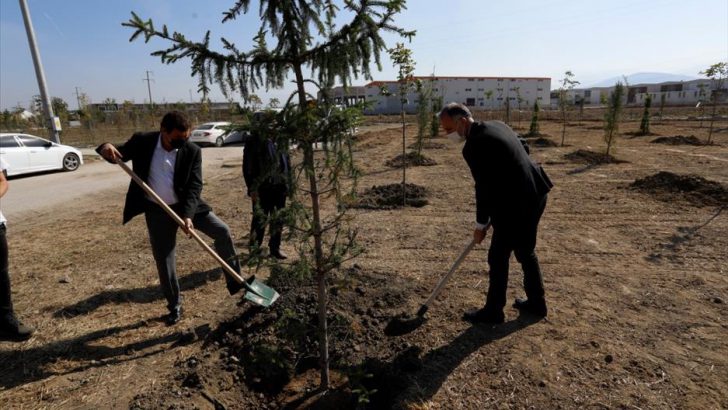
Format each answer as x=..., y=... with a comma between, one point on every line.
x=172, y=167
x=510, y=195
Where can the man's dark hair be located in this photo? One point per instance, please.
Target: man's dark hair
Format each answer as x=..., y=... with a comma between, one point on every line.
x=455, y=110
x=175, y=120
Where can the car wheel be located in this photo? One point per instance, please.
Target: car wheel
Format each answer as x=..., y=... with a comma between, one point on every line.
x=219, y=142
x=70, y=162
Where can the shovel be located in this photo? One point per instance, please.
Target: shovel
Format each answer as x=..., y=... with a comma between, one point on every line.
x=403, y=324
x=257, y=291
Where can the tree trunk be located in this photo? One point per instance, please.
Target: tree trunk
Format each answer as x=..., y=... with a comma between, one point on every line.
x=310, y=168
x=563, y=129
x=712, y=118
x=404, y=160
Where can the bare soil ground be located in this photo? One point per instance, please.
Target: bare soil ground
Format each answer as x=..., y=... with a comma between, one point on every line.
x=637, y=286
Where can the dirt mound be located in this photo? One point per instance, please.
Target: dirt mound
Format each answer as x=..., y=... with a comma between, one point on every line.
x=390, y=196
x=678, y=140
x=543, y=143
x=271, y=355
x=412, y=159
x=591, y=158
x=694, y=189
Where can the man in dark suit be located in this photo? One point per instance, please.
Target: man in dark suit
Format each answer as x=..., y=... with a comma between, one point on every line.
x=267, y=175
x=172, y=167
x=510, y=195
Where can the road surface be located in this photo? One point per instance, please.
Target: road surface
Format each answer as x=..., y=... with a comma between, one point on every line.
x=43, y=193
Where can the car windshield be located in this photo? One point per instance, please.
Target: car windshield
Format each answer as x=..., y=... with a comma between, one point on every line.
x=204, y=127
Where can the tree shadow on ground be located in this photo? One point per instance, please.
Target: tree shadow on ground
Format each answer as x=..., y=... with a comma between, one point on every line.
x=146, y=294
x=24, y=366
x=582, y=169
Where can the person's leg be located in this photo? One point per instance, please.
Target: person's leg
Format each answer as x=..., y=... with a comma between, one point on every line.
x=525, y=251
x=257, y=225
x=10, y=327
x=278, y=202
x=163, y=238
x=216, y=229
x=6, y=303
x=498, y=256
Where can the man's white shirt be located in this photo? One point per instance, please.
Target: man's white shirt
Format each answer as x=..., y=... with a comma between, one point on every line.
x=3, y=166
x=161, y=173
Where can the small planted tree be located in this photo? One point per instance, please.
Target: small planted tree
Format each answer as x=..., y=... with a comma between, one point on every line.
x=612, y=116
x=567, y=84
x=534, y=130
x=306, y=37
x=663, y=100
x=402, y=59
x=645, y=123
x=717, y=74
x=424, y=113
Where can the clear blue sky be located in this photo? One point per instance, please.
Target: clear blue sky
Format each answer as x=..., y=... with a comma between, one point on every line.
x=83, y=44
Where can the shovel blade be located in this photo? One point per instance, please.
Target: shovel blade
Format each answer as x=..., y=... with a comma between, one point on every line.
x=260, y=293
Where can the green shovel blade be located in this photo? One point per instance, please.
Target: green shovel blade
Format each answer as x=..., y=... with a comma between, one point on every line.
x=260, y=293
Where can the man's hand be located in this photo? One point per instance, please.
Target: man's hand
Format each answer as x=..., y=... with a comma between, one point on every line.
x=479, y=235
x=189, y=227
x=110, y=153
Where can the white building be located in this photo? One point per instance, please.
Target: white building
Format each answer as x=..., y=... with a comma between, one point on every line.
x=673, y=92
x=478, y=93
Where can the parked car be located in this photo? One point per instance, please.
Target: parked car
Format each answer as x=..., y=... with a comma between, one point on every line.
x=217, y=134
x=26, y=153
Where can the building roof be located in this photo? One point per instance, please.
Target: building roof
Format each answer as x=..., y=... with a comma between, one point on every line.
x=439, y=77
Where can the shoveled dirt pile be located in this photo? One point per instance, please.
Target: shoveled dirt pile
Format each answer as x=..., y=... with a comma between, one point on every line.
x=678, y=140
x=543, y=143
x=390, y=196
x=583, y=156
x=694, y=189
x=269, y=358
x=412, y=158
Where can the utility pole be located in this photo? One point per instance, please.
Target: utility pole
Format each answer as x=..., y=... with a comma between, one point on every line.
x=78, y=98
x=55, y=127
x=149, y=88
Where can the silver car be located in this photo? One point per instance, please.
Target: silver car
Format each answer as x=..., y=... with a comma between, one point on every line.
x=26, y=153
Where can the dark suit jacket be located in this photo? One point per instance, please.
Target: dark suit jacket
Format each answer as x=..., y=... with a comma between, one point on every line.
x=508, y=184
x=261, y=171
x=187, y=175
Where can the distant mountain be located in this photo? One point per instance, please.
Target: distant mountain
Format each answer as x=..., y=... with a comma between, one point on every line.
x=644, y=78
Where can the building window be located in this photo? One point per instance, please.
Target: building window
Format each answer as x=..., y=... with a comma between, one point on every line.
x=540, y=98
x=468, y=89
x=500, y=98
x=540, y=81
x=500, y=79
x=471, y=79
x=587, y=93
x=481, y=89
x=540, y=89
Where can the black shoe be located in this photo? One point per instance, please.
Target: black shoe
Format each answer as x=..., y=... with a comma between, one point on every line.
x=484, y=316
x=12, y=330
x=535, y=308
x=173, y=317
x=233, y=287
x=278, y=254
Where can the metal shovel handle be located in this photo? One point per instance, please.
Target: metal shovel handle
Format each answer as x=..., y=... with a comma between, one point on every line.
x=446, y=277
x=181, y=223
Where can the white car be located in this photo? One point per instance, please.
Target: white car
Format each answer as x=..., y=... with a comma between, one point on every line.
x=216, y=133
x=26, y=153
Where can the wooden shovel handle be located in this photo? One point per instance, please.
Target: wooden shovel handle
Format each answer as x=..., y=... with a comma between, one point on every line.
x=179, y=221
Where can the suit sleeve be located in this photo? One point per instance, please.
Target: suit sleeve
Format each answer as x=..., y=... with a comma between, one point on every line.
x=127, y=149
x=250, y=164
x=194, y=188
x=483, y=188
